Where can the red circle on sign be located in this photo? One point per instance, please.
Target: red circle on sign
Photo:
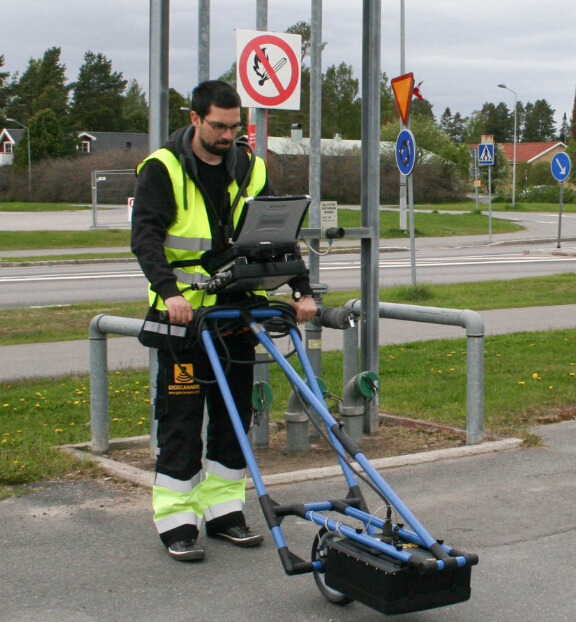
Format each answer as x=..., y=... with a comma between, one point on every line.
x=284, y=93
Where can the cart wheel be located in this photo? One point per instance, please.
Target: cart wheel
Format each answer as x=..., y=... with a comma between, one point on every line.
x=318, y=546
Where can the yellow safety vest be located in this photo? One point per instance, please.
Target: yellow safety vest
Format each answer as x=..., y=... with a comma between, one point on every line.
x=189, y=235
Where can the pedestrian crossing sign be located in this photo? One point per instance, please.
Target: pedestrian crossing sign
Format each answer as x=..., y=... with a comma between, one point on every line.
x=486, y=155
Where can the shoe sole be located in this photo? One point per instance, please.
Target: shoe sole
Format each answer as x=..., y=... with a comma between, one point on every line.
x=189, y=556
x=242, y=542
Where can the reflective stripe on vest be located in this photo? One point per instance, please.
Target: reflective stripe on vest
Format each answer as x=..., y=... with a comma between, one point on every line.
x=178, y=244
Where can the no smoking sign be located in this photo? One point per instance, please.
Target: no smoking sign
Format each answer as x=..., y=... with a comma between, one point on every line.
x=268, y=69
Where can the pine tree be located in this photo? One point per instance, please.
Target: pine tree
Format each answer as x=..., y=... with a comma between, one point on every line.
x=42, y=86
x=98, y=102
x=573, y=119
x=135, y=109
x=539, y=124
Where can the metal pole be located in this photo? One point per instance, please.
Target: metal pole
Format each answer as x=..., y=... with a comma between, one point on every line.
x=261, y=129
x=159, y=57
x=490, y=204
x=560, y=214
x=371, y=40
x=515, y=139
x=203, y=40
x=412, y=235
x=476, y=175
x=99, y=424
x=403, y=210
x=29, y=164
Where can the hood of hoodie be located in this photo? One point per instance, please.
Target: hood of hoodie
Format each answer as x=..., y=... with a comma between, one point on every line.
x=180, y=145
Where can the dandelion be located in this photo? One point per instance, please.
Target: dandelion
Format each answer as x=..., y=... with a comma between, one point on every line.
x=37, y=405
x=448, y=355
x=451, y=369
x=117, y=373
x=550, y=388
x=38, y=394
x=15, y=462
x=116, y=391
x=136, y=392
x=115, y=419
x=522, y=383
x=4, y=440
x=22, y=466
x=72, y=423
x=498, y=355
x=6, y=433
x=137, y=382
x=58, y=430
x=139, y=423
x=6, y=405
x=571, y=373
x=76, y=402
x=148, y=401
x=534, y=376
x=18, y=431
x=22, y=399
x=439, y=371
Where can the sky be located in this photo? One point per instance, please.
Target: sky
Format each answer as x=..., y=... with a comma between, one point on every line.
x=461, y=49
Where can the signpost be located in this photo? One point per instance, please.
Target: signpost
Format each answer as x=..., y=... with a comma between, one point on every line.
x=403, y=88
x=560, y=167
x=486, y=158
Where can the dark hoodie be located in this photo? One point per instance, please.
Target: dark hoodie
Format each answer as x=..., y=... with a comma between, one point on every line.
x=155, y=209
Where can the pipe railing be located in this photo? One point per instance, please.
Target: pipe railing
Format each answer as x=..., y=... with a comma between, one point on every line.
x=470, y=320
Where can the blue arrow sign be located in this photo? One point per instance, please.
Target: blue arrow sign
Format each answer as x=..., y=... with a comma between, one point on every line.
x=405, y=152
x=486, y=155
x=560, y=166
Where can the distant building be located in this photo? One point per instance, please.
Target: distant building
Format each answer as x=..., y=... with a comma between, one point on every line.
x=8, y=141
x=88, y=142
x=100, y=142
x=531, y=152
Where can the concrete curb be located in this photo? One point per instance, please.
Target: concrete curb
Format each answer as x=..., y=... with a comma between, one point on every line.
x=146, y=479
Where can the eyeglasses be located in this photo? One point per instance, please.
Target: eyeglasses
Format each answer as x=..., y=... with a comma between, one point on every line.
x=222, y=127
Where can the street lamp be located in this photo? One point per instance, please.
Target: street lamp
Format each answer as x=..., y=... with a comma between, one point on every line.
x=29, y=154
x=503, y=86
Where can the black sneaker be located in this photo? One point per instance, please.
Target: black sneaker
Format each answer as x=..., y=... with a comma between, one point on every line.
x=186, y=551
x=240, y=536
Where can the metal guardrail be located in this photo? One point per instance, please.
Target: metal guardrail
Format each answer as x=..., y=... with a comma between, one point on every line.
x=470, y=320
x=102, y=325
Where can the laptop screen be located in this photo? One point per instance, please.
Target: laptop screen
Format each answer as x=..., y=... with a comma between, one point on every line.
x=271, y=220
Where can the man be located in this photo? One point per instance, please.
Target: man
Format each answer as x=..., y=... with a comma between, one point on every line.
x=182, y=203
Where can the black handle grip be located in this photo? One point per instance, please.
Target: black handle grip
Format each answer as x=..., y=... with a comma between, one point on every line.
x=335, y=318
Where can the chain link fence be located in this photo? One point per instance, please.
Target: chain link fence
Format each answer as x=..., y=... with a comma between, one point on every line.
x=112, y=194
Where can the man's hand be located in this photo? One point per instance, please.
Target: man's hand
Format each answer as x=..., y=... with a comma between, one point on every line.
x=179, y=310
x=305, y=308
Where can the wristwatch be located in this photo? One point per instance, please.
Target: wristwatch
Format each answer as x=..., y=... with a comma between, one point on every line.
x=297, y=295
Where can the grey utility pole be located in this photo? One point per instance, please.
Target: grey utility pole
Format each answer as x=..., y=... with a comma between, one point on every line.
x=371, y=39
x=159, y=54
x=203, y=40
x=403, y=218
x=260, y=113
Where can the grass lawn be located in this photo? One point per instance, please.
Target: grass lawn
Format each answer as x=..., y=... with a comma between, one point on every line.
x=45, y=324
x=34, y=240
x=427, y=225
x=528, y=377
x=498, y=207
x=72, y=257
x=19, y=206
x=431, y=225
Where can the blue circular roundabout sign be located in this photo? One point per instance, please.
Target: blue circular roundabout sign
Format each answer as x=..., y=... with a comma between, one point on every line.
x=405, y=152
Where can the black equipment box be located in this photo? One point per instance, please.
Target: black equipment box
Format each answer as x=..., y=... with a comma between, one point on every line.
x=389, y=585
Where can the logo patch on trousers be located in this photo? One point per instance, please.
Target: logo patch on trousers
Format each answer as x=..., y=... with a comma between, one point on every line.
x=183, y=373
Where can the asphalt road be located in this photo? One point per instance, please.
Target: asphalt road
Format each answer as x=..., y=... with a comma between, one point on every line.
x=66, y=284
x=87, y=551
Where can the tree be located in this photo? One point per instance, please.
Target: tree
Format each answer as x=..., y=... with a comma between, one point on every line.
x=388, y=111
x=42, y=86
x=454, y=126
x=177, y=118
x=47, y=139
x=430, y=137
x=4, y=75
x=421, y=108
x=573, y=120
x=564, y=131
x=474, y=127
x=539, y=125
x=341, y=107
x=135, y=109
x=98, y=102
x=498, y=121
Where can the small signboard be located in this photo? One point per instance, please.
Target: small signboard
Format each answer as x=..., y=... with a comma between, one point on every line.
x=560, y=166
x=328, y=216
x=486, y=154
x=268, y=69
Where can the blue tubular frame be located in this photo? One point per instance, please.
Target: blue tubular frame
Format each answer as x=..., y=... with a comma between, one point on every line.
x=445, y=556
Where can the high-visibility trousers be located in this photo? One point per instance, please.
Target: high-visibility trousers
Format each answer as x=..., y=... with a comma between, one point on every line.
x=181, y=498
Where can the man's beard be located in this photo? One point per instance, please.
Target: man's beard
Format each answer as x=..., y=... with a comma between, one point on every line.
x=218, y=148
